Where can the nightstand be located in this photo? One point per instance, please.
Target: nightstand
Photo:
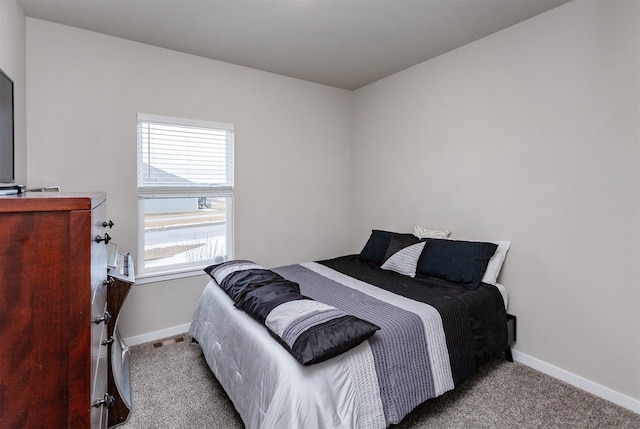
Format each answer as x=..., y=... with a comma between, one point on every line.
x=511, y=336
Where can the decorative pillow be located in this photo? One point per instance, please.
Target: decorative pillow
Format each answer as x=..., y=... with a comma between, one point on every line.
x=314, y=332
x=404, y=260
x=495, y=263
x=462, y=262
x=399, y=242
x=422, y=232
x=311, y=331
x=376, y=247
x=219, y=272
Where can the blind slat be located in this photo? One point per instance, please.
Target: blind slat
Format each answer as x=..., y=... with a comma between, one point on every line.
x=178, y=191
x=185, y=154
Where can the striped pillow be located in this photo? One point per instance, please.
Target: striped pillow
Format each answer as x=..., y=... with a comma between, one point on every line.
x=314, y=332
x=397, y=243
x=404, y=261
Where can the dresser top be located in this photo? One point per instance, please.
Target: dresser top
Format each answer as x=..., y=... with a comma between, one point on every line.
x=51, y=201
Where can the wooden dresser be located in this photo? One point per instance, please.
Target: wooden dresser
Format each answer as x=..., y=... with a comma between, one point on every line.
x=53, y=311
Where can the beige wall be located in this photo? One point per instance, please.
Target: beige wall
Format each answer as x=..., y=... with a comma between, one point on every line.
x=292, y=148
x=529, y=135
x=13, y=37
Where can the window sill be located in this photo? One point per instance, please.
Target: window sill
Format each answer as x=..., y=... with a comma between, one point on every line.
x=161, y=276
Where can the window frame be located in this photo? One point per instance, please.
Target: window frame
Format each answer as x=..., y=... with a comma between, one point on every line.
x=181, y=270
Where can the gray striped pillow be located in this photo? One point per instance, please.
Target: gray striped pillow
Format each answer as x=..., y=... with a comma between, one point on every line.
x=314, y=332
x=404, y=261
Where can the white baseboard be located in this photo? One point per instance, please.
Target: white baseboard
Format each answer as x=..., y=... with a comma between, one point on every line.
x=579, y=382
x=157, y=335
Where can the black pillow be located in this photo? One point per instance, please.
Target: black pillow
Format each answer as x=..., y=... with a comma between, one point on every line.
x=462, y=262
x=329, y=339
x=376, y=248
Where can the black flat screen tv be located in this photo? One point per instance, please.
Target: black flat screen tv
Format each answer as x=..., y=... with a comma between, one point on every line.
x=7, y=168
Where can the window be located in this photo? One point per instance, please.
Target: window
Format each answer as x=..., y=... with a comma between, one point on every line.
x=185, y=194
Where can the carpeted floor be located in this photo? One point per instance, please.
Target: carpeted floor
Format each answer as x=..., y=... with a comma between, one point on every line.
x=172, y=387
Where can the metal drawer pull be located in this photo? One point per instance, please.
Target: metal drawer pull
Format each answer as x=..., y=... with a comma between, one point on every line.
x=102, y=319
x=107, y=401
x=108, y=224
x=107, y=342
x=108, y=282
x=106, y=238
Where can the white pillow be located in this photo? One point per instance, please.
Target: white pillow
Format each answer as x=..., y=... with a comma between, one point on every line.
x=404, y=261
x=496, y=261
x=422, y=232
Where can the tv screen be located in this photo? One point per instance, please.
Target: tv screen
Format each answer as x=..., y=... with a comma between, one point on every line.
x=7, y=173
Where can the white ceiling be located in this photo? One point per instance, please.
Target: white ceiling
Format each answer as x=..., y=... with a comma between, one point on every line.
x=342, y=43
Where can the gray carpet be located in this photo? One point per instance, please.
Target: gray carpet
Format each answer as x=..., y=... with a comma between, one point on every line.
x=174, y=388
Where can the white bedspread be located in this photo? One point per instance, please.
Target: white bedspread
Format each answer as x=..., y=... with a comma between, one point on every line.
x=269, y=388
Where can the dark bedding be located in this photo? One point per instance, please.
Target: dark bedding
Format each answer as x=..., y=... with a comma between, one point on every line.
x=476, y=331
x=473, y=323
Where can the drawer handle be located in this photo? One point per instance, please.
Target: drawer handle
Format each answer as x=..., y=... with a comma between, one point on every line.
x=107, y=342
x=108, y=282
x=102, y=319
x=106, y=238
x=108, y=224
x=107, y=401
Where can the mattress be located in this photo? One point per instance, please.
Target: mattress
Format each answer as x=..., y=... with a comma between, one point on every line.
x=505, y=294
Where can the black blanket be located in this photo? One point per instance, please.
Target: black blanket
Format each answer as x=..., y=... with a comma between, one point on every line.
x=474, y=321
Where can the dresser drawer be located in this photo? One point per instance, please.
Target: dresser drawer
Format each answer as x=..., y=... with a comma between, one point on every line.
x=101, y=401
x=98, y=336
x=99, y=369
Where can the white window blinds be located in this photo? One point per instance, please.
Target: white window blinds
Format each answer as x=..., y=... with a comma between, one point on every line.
x=183, y=156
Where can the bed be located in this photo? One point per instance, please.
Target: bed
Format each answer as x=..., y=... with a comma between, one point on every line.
x=419, y=332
